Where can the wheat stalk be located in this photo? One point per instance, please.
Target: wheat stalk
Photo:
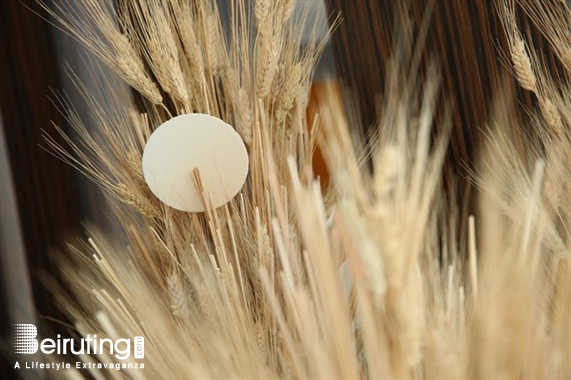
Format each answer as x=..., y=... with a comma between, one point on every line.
x=551, y=115
x=160, y=48
x=138, y=202
x=522, y=65
x=244, y=119
x=268, y=65
x=382, y=276
x=118, y=53
x=130, y=67
x=261, y=10
x=290, y=90
x=287, y=10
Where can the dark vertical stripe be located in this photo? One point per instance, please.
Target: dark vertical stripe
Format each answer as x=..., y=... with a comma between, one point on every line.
x=43, y=184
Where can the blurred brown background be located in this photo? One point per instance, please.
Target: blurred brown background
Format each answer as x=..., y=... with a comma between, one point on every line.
x=464, y=37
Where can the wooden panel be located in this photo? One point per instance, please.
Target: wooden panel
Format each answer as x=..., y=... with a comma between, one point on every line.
x=43, y=184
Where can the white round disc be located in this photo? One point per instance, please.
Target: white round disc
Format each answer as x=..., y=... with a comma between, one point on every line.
x=191, y=141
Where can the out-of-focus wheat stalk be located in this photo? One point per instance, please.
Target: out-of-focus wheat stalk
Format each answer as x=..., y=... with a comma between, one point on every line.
x=553, y=120
x=372, y=279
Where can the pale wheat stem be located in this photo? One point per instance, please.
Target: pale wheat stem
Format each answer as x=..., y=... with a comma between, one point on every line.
x=473, y=256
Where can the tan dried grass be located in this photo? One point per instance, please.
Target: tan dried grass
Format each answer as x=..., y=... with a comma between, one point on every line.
x=96, y=27
x=382, y=277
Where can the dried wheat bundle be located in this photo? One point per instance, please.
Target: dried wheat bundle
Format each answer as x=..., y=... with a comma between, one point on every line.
x=382, y=276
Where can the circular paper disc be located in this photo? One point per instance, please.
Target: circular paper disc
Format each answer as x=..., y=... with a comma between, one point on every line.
x=192, y=141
